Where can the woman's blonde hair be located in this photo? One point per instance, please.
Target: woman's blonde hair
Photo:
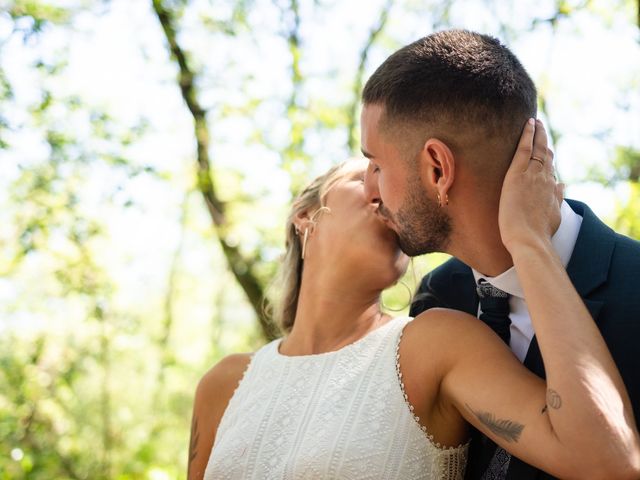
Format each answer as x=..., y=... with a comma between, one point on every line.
x=285, y=289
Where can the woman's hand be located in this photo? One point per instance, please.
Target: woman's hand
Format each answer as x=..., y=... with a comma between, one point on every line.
x=529, y=212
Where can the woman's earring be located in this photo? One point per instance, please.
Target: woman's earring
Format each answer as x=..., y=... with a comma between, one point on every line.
x=386, y=307
x=312, y=224
x=304, y=242
x=317, y=213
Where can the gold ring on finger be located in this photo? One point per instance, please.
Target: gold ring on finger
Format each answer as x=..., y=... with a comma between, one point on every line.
x=537, y=159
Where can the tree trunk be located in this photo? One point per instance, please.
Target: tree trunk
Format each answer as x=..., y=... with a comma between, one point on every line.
x=241, y=267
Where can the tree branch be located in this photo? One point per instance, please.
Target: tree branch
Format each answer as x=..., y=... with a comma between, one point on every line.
x=375, y=32
x=294, y=152
x=240, y=266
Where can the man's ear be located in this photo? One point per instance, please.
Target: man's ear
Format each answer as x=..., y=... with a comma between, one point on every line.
x=437, y=167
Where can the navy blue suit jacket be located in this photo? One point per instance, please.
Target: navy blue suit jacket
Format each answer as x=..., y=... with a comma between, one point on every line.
x=605, y=270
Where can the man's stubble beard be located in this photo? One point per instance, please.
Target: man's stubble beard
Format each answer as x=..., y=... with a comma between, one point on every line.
x=423, y=226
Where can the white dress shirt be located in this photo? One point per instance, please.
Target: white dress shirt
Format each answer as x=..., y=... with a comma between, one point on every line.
x=563, y=241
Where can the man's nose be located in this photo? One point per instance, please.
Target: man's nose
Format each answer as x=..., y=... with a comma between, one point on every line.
x=371, y=191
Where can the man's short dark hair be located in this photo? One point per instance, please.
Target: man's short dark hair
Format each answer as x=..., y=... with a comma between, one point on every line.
x=455, y=81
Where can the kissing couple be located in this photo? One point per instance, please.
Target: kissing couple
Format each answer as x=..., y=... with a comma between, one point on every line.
x=518, y=359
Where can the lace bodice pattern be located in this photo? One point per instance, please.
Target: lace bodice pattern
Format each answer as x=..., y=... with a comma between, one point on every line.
x=334, y=415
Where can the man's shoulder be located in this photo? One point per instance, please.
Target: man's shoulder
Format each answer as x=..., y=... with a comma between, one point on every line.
x=595, y=223
x=449, y=285
x=625, y=264
x=605, y=265
x=624, y=250
x=446, y=271
x=627, y=248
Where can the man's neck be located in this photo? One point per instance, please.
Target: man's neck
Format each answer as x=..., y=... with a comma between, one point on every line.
x=481, y=247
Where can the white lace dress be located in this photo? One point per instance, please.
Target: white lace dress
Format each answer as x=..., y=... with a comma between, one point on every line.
x=335, y=415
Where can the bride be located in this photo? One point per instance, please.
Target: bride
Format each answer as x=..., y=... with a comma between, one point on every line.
x=352, y=393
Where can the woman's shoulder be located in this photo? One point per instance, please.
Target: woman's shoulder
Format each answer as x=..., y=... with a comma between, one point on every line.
x=224, y=375
x=444, y=331
x=213, y=393
x=443, y=322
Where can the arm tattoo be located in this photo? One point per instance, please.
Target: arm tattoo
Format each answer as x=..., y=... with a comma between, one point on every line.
x=193, y=443
x=506, y=429
x=554, y=400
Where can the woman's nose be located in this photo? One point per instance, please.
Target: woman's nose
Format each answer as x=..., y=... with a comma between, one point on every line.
x=371, y=186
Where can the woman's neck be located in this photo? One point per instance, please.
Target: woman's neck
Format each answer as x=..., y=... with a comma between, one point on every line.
x=331, y=315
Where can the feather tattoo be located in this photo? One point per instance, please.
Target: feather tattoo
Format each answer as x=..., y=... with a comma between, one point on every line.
x=503, y=428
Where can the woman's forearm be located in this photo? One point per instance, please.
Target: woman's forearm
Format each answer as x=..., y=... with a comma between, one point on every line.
x=587, y=402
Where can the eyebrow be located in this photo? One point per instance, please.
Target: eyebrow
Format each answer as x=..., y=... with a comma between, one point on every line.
x=357, y=175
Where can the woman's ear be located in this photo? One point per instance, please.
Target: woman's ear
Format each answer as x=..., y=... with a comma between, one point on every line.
x=437, y=168
x=301, y=222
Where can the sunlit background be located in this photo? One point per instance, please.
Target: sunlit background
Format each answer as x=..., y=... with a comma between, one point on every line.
x=139, y=231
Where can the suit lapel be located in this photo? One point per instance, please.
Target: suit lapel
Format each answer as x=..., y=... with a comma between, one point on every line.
x=588, y=267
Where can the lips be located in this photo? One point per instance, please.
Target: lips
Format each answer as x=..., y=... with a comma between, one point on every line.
x=389, y=228
x=384, y=217
x=387, y=222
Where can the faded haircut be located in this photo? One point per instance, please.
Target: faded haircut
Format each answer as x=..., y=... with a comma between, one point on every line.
x=463, y=87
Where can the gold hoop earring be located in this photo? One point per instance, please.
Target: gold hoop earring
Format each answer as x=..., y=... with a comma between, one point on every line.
x=304, y=242
x=446, y=199
x=385, y=307
x=317, y=212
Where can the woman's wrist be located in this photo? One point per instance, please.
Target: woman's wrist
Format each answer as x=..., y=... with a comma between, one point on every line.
x=531, y=248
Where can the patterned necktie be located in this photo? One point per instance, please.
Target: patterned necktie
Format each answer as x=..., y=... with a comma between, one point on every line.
x=494, y=304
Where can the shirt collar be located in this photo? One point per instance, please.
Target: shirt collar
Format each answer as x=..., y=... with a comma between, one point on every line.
x=563, y=241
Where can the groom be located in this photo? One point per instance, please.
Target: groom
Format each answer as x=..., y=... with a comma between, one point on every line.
x=440, y=123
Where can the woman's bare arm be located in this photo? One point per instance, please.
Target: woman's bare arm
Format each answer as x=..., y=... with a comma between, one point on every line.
x=493, y=391
x=212, y=397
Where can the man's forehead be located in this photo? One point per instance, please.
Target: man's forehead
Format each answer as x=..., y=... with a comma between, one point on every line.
x=371, y=114
x=355, y=166
x=370, y=119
